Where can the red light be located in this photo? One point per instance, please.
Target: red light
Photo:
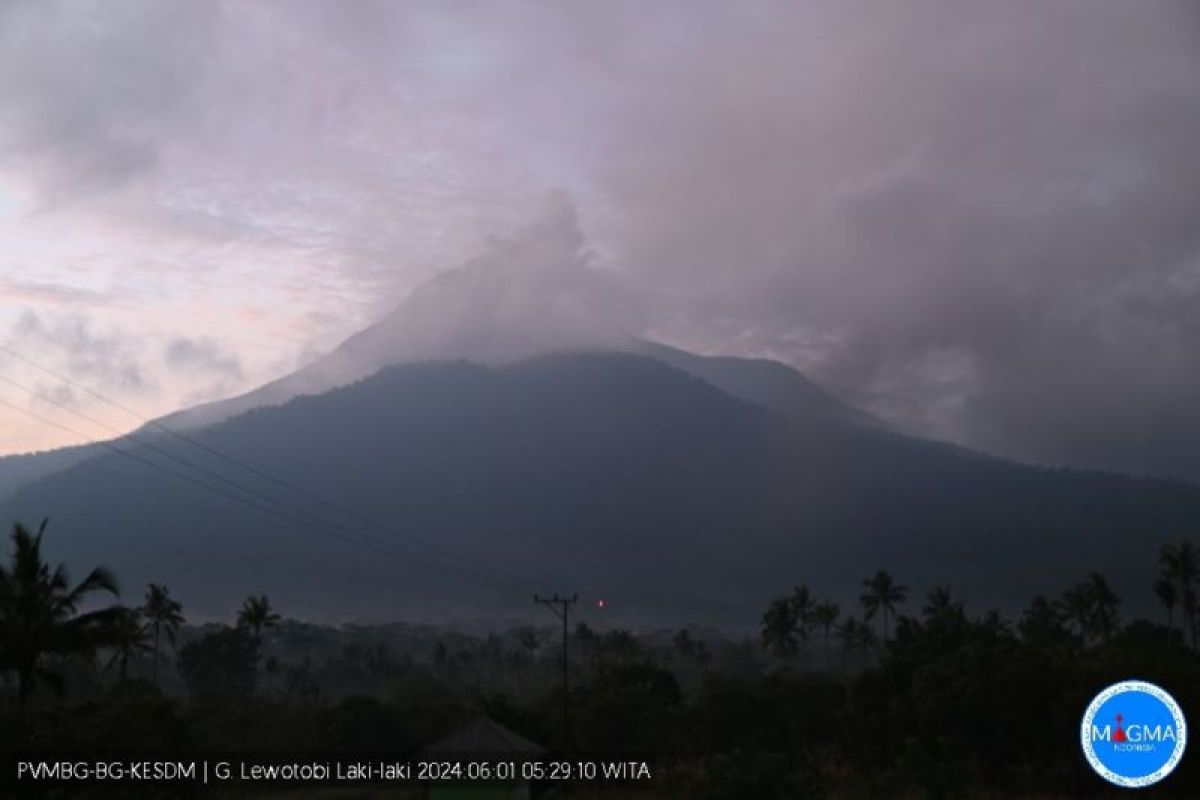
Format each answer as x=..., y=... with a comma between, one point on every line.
x=601, y=603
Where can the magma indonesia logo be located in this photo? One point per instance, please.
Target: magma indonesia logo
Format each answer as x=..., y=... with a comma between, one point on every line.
x=1133, y=734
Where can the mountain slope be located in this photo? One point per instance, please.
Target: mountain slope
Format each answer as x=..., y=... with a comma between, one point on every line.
x=528, y=297
x=613, y=475
x=769, y=384
x=18, y=470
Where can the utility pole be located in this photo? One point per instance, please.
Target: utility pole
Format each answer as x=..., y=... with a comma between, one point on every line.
x=561, y=608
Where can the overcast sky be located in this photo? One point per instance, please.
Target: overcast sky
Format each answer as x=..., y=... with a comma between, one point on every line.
x=978, y=219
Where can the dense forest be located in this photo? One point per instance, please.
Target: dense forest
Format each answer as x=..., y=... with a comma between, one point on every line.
x=897, y=693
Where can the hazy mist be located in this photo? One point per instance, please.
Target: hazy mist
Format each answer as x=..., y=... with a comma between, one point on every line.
x=977, y=220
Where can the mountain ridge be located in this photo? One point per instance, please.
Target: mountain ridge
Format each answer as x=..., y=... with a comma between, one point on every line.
x=782, y=389
x=614, y=473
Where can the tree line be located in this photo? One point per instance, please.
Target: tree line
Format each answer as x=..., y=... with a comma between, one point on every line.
x=925, y=698
x=1087, y=612
x=41, y=623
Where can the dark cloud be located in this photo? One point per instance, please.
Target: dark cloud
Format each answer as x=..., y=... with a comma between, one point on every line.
x=979, y=219
x=976, y=218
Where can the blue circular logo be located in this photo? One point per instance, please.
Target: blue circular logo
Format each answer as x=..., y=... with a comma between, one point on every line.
x=1133, y=734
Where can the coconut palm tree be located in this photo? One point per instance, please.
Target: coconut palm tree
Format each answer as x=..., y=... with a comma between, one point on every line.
x=256, y=615
x=1104, y=602
x=882, y=596
x=865, y=639
x=824, y=616
x=1091, y=608
x=779, y=627
x=939, y=601
x=1042, y=624
x=39, y=613
x=128, y=637
x=847, y=633
x=164, y=615
x=856, y=636
x=802, y=608
x=1180, y=566
x=1075, y=609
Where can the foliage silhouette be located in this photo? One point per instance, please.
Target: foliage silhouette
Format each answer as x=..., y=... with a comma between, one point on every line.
x=256, y=615
x=128, y=638
x=164, y=614
x=882, y=595
x=39, y=613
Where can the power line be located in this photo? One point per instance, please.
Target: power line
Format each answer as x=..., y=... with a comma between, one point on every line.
x=197, y=467
x=345, y=535
x=434, y=549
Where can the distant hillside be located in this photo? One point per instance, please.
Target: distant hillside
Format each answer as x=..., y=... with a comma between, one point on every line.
x=772, y=385
x=18, y=470
x=614, y=475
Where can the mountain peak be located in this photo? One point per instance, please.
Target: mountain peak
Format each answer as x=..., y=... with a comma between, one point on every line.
x=532, y=294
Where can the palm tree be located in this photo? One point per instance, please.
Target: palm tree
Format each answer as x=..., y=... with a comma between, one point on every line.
x=865, y=639
x=856, y=636
x=256, y=615
x=779, y=627
x=1168, y=595
x=164, y=615
x=39, y=613
x=128, y=637
x=1181, y=567
x=1104, y=602
x=882, y=596
x=1091, y=607
x=802, y=607
x=1042, y=624
x=847, y=633
x=825, y=615
x=939, y=601
x=1075, y=608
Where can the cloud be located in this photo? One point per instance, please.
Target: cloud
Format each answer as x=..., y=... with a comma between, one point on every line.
x=532, y=292
x=46, y=358
x=207, y=368
x=202, y=355
x=87, y=91
x=53, y=294
x=108, y=359
x=977, y=219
